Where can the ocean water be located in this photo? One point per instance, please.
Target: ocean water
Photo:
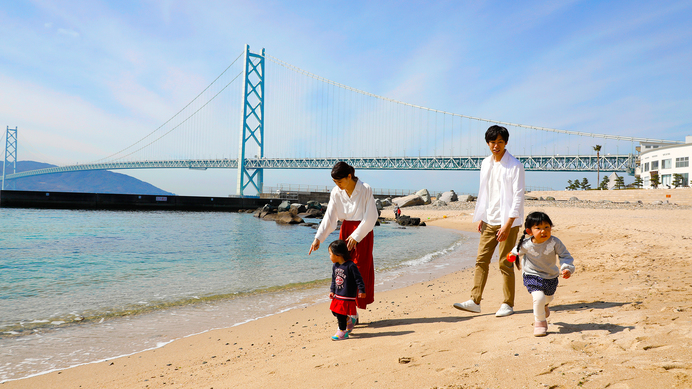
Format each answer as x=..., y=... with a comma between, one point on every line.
x=83, y=286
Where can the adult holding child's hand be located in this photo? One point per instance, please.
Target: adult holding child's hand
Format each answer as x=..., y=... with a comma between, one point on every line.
x=352, y=202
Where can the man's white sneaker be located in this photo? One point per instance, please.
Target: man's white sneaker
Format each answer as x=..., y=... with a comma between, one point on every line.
x=505, y=310
x=468, y=306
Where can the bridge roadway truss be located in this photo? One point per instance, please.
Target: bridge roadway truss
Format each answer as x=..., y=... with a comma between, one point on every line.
x=567, y=163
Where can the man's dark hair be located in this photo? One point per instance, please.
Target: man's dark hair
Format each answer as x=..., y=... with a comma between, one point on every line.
x=494, y=131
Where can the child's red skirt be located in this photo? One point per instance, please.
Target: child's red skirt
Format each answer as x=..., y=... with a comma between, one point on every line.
x=344, y=307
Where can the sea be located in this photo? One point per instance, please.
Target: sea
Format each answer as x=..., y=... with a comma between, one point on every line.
x=80, y=286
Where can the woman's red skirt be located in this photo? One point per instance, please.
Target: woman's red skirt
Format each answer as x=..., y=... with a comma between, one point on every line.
x=361, y=255
x=344, y=307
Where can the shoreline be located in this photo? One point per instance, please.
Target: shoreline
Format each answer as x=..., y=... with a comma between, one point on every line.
x=204, y=316
x=621, y=321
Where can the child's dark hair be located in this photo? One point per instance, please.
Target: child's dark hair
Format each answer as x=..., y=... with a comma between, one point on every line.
x=534, y=219
x=339, y=247
x=493, y=131
x=341, y=170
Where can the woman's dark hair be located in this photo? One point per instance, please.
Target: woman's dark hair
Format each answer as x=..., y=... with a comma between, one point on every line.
x=341, y=170
x=493, y=131
x=533, y=219
x=339, y=247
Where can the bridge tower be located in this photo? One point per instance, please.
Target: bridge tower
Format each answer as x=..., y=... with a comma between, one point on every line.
x=10, y=155
x=252, y=131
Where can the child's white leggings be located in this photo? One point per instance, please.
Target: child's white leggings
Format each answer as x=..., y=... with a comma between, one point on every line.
x=540, y=300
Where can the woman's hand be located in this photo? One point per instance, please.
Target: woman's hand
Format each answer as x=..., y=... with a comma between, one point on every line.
x=314, y=246
x=566, y=274
x=351, y=243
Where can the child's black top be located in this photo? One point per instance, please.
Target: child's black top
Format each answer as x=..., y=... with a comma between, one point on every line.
x=346, y=280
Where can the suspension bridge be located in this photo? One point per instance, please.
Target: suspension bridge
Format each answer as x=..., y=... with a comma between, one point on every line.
x=263, y=113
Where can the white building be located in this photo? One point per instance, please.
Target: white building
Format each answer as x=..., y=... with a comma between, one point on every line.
x=665, y=161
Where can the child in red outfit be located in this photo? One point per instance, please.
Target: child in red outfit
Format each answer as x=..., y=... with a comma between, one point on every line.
x=347, y=284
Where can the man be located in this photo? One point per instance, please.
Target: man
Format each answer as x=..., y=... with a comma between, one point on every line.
x=499, y=213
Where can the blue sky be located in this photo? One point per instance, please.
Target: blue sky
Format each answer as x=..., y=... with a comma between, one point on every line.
x=81, y=79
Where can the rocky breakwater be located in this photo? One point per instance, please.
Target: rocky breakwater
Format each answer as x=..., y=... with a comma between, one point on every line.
x=292, y=213
x=423, y=198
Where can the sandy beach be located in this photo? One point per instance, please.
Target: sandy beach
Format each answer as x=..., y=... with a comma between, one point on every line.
x=623, y=320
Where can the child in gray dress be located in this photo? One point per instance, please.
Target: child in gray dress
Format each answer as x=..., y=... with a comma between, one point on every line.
x=540, y=270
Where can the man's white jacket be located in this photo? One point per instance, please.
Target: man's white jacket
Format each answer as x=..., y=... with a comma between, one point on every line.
x=511, y=188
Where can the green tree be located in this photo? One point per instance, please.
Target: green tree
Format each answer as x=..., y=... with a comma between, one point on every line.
x=620, y=183
x=655, y=181
x=677, y=180
x=585, y=184
x=638, y=182
x=577, y=184
x=604, y=183
x=570, y=185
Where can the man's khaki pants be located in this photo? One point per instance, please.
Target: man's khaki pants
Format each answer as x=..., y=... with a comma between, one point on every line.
x=486, y=248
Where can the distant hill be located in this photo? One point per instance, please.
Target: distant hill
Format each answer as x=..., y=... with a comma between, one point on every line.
x=94, y=181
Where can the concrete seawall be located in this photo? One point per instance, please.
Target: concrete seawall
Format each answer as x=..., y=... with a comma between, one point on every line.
x=101, y=201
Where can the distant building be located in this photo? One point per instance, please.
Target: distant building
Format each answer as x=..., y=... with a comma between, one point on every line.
x=665, y=161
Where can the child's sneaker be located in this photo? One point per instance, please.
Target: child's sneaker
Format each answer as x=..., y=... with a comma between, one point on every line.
x=352, y=320
x=540, y=328
x=340, y=335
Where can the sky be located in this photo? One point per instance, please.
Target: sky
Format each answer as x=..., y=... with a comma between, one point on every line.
x=86, y=78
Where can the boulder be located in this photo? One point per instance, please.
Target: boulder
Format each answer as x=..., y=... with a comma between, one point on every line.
x=284, y=206
x=573, y=199
x=425, y=195
x=448, y=197
x=378, y=204
x=405, y=220
x=439, y=203
x=533, y=198
x=386, y=202
x=408, y=201
x=466, y=199
x=313, y=204
x=550, y=198
x=313, y=213
x=300, y=208
x=268, y=209
x=285, y=218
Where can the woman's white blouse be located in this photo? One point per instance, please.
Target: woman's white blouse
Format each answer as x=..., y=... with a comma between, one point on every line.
x=360, y=206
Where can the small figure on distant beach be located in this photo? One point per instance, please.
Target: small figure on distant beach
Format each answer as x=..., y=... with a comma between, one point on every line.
x=539, y=268
x=347, y=284
x=499, y=213
x=352, y=201
x=397, y=212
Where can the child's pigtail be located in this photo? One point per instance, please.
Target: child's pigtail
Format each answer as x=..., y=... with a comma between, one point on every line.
x=521, y=241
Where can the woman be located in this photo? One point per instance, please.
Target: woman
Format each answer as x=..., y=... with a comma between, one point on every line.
x=352, y=201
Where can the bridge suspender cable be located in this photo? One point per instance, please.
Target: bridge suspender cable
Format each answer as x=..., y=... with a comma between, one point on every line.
x=174, y=116
x=325, y=80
